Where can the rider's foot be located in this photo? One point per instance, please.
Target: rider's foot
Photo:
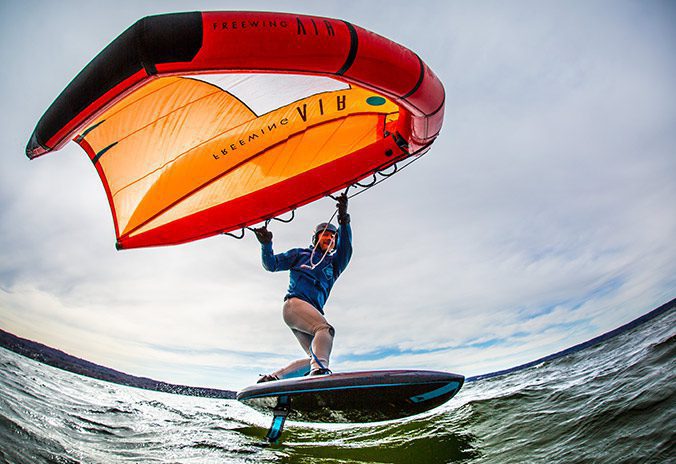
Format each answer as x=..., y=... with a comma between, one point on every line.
x=320, y=371
x=267, y=378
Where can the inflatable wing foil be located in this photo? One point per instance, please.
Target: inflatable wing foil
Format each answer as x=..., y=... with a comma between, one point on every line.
x=203, y=123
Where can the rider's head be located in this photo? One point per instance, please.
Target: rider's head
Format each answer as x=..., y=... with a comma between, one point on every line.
x=324, y=236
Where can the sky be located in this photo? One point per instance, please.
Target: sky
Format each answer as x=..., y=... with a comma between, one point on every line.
x=543, y=216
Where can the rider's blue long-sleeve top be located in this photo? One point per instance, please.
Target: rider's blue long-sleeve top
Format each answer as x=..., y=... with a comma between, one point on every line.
x=311, y=285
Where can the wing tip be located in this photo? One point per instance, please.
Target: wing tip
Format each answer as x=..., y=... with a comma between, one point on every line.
x=34, y=148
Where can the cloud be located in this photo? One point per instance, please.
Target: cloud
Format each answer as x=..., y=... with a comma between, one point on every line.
x=543, y=216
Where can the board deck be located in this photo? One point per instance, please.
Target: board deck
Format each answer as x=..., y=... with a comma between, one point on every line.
x=355, y=396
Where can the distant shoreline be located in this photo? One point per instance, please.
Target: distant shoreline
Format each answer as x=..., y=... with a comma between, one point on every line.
x=594, y=341
x=59, y=359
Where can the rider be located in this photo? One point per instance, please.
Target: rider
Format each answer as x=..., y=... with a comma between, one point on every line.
x=314, y=270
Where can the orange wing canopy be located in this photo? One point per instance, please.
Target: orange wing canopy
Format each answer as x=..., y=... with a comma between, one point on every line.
x=202, y=123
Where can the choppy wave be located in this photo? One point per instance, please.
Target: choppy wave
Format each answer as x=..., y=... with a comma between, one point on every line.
x=612, y=402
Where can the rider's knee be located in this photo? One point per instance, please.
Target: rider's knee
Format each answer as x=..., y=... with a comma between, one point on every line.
x=326, y=327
